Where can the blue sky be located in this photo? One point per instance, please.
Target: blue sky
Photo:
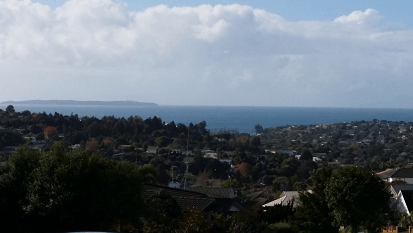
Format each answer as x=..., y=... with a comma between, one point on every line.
x=251, y=53
x=397, y=12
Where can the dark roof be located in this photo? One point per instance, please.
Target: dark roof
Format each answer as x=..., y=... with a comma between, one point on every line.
x=408, y=198
x=150, y=189
x=397, y=188
x=225, y=204
x=186, y=203
x=185, y=199
x=253, y=196
x=214, y=192
x=403, y=173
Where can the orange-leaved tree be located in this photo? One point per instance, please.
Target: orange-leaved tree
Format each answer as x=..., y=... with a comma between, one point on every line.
x=244, y=168
x=50, y=132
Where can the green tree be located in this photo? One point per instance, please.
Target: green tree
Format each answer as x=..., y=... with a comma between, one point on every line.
x=356, y=198
x=145, y=146
x=161, y=141
x=63, y=190
x=14, y=177
x=313, y=213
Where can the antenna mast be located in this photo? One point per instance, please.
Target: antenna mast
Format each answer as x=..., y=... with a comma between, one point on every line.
x=186, y=159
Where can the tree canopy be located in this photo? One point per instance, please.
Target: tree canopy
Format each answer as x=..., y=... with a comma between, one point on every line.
x=63, y=190
x=349, y=196
x=357, y=197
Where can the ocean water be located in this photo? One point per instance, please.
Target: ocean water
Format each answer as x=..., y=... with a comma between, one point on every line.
x=242, y=119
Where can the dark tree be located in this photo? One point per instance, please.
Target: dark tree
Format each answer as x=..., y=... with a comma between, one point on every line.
x=313, y=213
x=10, y=109
x=357, y=197
x=306, y=155
x=69, y=191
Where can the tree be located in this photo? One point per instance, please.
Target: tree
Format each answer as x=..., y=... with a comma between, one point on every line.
x=258, y=129
x=161, y=141
x=244, y=168
x=356, y=197
x=194, y=221
x=10, y=109
x=92, y=145
x=50, y=132
x=145, y=146
x=306, y=155
x=63, y=190
x=313, y=213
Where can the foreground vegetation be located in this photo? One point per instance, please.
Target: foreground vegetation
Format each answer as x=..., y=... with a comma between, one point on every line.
x=62, y=190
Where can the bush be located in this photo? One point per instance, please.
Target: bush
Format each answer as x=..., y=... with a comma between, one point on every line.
x=281, y=227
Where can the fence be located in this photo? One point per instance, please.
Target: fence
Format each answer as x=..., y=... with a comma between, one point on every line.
x=394, y=229
x=390, y=229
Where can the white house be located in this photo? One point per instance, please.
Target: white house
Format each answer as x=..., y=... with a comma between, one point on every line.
x=404, y=202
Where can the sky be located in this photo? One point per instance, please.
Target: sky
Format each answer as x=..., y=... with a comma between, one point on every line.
x=224, y=53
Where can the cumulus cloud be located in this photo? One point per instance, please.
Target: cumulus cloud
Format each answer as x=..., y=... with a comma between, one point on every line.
x=370, y=15
x=204, y=55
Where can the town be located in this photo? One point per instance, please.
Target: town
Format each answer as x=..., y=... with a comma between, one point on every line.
x=230, y=181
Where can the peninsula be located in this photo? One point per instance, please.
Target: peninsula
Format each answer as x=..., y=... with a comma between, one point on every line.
x=75, y=102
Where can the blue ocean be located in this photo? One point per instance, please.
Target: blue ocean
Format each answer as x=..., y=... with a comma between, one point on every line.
x=242, y=119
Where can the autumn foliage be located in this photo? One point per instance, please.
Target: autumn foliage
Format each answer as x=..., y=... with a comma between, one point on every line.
x=108, y=141
x=244, y=168
x=50, y=132
x=92, y=145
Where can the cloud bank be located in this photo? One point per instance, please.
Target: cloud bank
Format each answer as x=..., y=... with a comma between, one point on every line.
x=205, y=55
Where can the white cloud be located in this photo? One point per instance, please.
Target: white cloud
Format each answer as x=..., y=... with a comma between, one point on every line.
x=216, y=55
x=368, y=16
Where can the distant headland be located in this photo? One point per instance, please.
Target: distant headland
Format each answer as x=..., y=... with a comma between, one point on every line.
x=75, y=102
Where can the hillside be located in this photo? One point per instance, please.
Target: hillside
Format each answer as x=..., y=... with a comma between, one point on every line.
x=75, y=102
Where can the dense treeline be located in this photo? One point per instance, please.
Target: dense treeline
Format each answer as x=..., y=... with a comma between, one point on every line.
x=133, y=130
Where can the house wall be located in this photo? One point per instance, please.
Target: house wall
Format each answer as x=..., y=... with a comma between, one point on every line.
x=401, y=205
x=408, y=180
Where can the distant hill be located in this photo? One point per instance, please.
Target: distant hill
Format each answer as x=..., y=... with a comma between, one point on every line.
x=74, y=102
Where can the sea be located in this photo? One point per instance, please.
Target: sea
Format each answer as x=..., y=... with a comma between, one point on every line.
x=230, y=118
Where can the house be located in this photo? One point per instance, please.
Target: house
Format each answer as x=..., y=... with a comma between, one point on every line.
x=320, y=155
x=214, y=192
x=257, y=199
x=152, y=150
x=286, y=197
x=75, y=147
x=225, y=199
x=226, y=160
x=316, y=159
x=402, y=174
x=9, y=150
x=211, y=155
x=403, y=202
x=334, y=164
x=395, y=189
x=183, y=200
x=31, y=139
x=203, y=198
x=37, y=147
x=386, y=175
